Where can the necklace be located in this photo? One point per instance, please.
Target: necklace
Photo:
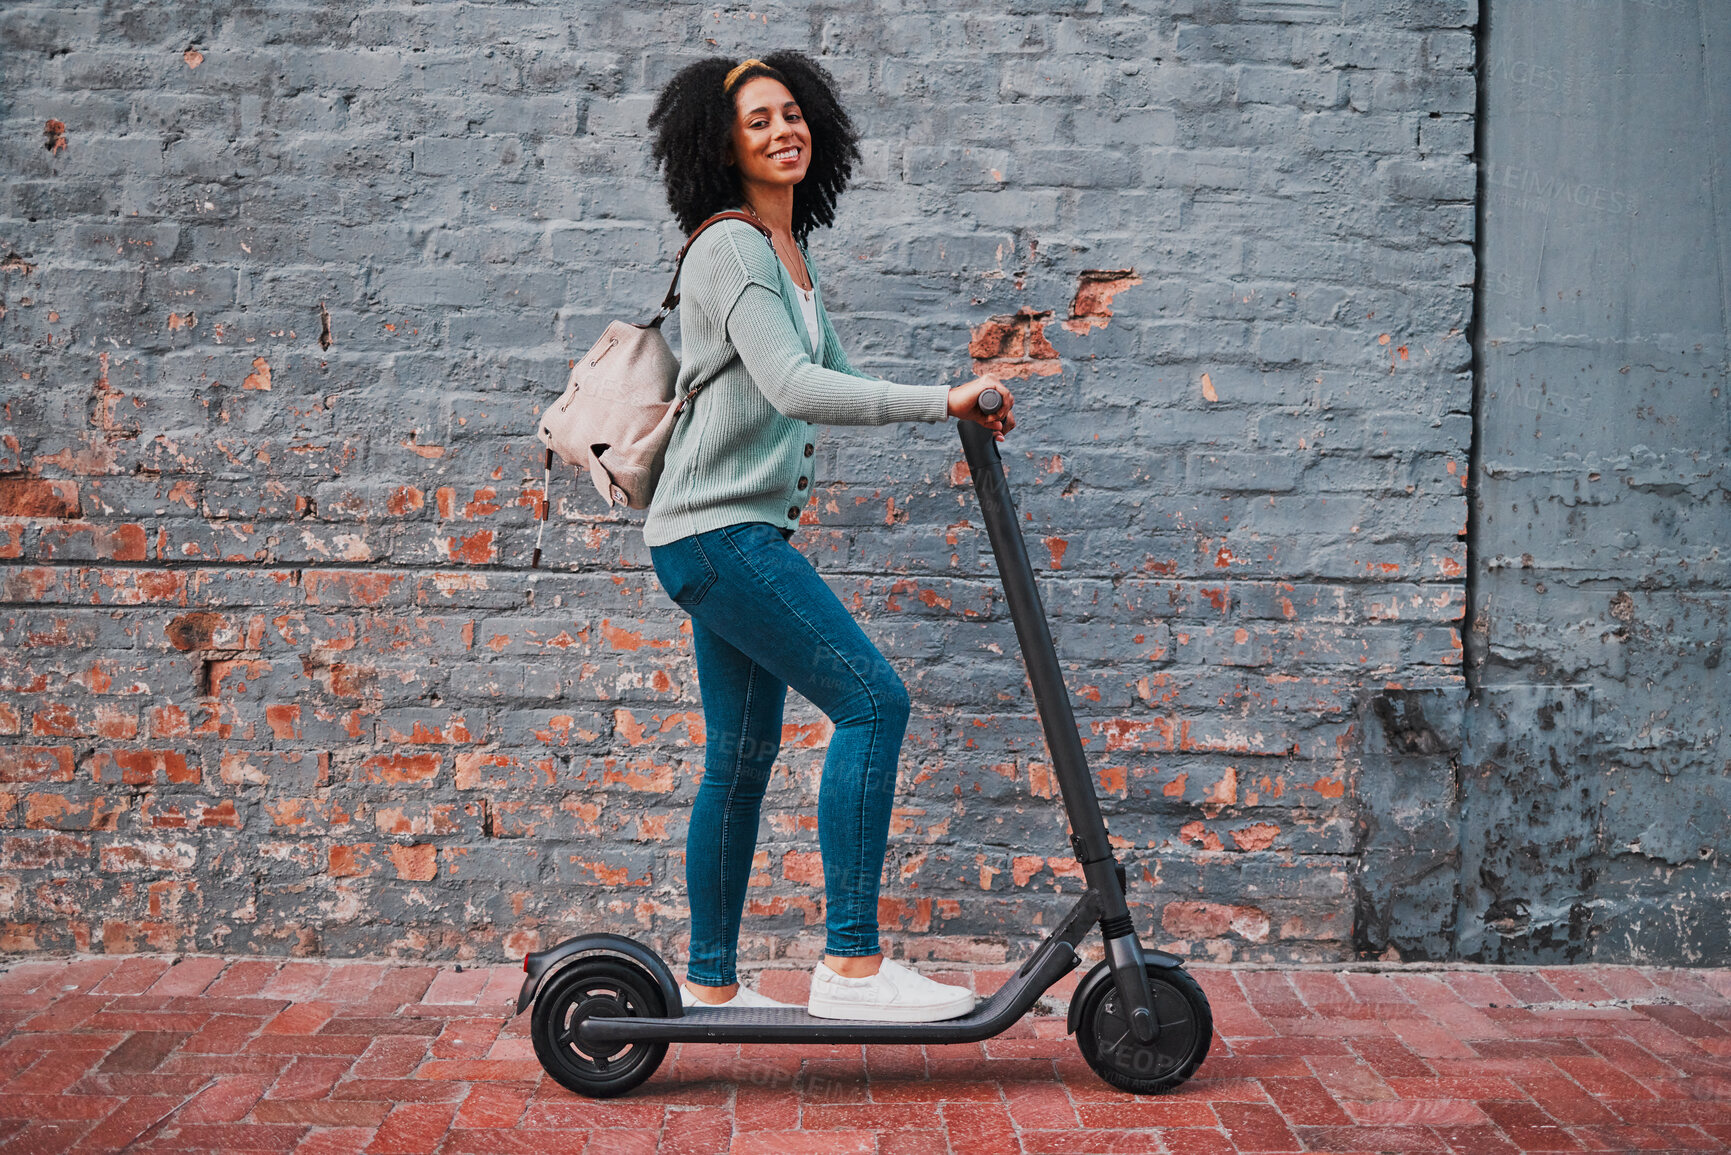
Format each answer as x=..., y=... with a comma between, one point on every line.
x=775, y=243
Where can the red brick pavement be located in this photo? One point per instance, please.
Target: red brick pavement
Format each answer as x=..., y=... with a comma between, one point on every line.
x=208, y=1054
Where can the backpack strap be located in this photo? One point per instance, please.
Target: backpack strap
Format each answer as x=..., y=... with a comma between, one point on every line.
x=672, y=299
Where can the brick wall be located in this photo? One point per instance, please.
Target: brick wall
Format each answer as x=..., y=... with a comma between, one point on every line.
x=285, y=286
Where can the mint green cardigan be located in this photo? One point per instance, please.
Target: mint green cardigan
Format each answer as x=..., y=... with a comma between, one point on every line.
x=743, y=449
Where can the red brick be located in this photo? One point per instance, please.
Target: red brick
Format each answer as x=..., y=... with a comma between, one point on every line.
x=46, y=1138
x=142, y=1051
x=466, y=1038
x=392, y=1057
x=863, y=1117
x=226, y=1136
x=309, y=1077
x=1380, y=1139
x=402, y=769
x=1348, y=1079
x=300, y=1019
x=1687, y=985
x=1457, y=1087
x=56, y=1107
x=36, y=764
x=1367, y=987
x=1183, y=1111
x=1483, y=1140
x=1682, y=1020
x=345, y=1141
x=984, y=1128
x=1529, y=1127
x=351, y=983
x=228, y=1100
x=1417, y=1112
x=413, y=1128
x=1573, y=983
x=1195, y=1141
x=491, y=1141
x=1270, y=994
x=268, y=1066
x=52, y=1074
x=1423, y=1038
x=769, y=1106
x=1622, y=982
x=1097, y=1142
x=1039, y=1106
x=1256, y=1128
x=1657, y=1111
x=911, y=1142
x=456, y=986
x=307, y=1045
x=322, y=1113
x=145, y=768
x=223, y=1034
x=399, y=1090
x=138, y=1086
x=473, y=1070
x=244, y=977
x=129, y=1121
x=1527, y=987
x=565, y=1110
x=496, y=1105
x=805, y=1143
x=132, y=977
x=373, y=1027
x=1394, y=1060
x=1563, y=1099
x=1304, y=1100
x=38, y=497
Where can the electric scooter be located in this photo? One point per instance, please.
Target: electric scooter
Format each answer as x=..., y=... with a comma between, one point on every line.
x=606, y=1007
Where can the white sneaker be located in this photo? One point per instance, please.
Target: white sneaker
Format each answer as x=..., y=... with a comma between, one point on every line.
x=894, y=995
x=743, y=997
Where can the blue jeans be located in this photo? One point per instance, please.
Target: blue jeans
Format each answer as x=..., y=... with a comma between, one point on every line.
x=763, y=620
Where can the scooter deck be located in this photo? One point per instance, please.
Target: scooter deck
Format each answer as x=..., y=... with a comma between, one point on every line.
x=794, y=1025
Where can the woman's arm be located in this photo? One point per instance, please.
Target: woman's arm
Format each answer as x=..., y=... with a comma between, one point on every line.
x=762, y=332
x=733, y=276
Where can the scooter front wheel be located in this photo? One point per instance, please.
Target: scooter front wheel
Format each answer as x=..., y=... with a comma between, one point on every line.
x=1110, y=1046
x=597, y=986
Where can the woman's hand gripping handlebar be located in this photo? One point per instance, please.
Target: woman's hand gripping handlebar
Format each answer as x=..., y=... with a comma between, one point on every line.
x=985, y=401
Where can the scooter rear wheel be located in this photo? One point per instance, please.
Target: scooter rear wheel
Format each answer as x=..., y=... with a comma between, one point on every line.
x=599, y=986
x=1110, y=1046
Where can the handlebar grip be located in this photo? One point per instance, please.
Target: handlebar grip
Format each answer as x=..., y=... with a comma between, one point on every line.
x=990, y=401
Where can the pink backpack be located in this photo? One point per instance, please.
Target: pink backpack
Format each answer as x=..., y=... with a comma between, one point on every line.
x=617, y=412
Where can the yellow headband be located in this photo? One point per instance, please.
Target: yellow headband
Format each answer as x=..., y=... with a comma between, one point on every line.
x=737, y=69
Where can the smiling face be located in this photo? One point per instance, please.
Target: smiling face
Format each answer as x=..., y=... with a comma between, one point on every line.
x=770, y=142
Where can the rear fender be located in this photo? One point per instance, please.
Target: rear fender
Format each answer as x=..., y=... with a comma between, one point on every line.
x=539, y=966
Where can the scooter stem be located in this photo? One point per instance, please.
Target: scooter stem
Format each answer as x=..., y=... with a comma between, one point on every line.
x=1058, y=721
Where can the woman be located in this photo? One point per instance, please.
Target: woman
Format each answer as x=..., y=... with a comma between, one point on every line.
x=769, y=137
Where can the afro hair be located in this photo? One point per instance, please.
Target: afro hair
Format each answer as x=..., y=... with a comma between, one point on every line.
x=693, y=119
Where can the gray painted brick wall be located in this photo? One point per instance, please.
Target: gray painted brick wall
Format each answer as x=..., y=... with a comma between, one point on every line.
x=276, y=678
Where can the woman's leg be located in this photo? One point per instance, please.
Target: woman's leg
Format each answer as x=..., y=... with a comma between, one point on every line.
x=742, y=712
x=763, y=598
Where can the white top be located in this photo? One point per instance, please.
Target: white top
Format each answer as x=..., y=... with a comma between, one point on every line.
x=808, y=306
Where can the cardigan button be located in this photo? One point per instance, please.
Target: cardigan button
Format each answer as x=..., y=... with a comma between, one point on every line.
x=802, y=483
x=793, y=512
x=808, y=450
